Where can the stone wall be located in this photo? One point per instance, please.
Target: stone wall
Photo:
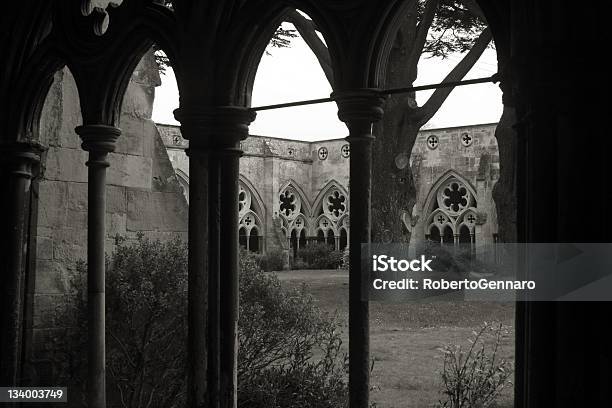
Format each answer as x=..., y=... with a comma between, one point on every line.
x=143, y=195
x=475, y=162
x=269, y=164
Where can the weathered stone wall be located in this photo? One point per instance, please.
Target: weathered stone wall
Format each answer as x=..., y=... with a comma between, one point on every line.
x=269, y=163
x=143, y=195
x=478, y=164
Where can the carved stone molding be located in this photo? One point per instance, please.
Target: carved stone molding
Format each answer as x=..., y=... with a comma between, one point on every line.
x=97, y=9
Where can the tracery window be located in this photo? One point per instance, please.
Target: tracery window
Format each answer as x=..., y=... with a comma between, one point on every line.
x=295, y=216
x=331, y=215
x=250, y=228
x=326, y=221
x=452, y=213
x=289, y=203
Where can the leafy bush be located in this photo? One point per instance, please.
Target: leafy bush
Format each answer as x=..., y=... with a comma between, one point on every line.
x=346, y=261
x=457, y=260
x=289, y=351
x=273, y=260
x=476, y=376
x=336, y=259
x=146, y=305
x=319, y=255
x=300, y=264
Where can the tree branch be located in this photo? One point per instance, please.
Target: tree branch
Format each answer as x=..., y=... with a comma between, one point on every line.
x=436, y=100
x=473, y=8
x=421, y=37
x=307, y=30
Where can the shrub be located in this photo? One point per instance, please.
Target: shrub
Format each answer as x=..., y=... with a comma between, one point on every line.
x=300, y=264
x=273, y=260
x=319, y=255
x=336, y=259
x=476, y=376
x=346, y=261
x=146, y=305
x=289, y=351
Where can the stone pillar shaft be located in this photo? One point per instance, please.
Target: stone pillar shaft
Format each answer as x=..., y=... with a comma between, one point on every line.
x=229, y=277
x=20, y=159
x=200, y=386
x=98, y=140
x=359, y=109
x=214, y=134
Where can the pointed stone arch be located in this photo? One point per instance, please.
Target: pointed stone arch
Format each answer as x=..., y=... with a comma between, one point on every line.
x=450, y=201
x=305, y=206
x=256, y=199
x=447, y=176
x=183, y=180
x=329, y=188
x=251, y=212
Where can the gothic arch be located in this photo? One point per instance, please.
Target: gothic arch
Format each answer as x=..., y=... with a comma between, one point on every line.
x=251, y=210
x=447, y=176
x=329, y=188
x=183, y=180
x=325, y=224
x=495, y=14
x=305, y=203
x=450, y=204
x=258, y=202
x=294, y=208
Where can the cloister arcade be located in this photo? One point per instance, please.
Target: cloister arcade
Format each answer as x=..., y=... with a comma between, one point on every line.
x=560, y=157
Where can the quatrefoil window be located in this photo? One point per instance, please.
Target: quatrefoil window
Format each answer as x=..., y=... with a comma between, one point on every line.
x=466, y=139
x=336, y=204
x=345, y=151
x=287, y=203
x=455, y=197
x=433, y=142
x=323, y=153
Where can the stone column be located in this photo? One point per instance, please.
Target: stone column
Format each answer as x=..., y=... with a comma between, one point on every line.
x=98, y=140
x=231, y=126
x=214, y=135
x=203, y=257
x=358, y=109
x=19, y=160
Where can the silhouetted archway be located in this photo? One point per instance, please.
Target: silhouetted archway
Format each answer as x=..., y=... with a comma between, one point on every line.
x=254, y=240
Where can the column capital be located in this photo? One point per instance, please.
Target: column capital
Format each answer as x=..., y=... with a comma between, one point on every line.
x=360, y=105
x=22, y=156
x=211, y=127
x=99, y=139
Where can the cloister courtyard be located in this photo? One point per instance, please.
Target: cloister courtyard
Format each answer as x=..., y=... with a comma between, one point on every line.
x=406, y=339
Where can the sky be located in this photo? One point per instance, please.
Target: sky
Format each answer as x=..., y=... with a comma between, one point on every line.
x=293, y=74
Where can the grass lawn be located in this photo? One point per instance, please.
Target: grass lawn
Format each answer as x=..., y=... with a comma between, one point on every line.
x=405, y=337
